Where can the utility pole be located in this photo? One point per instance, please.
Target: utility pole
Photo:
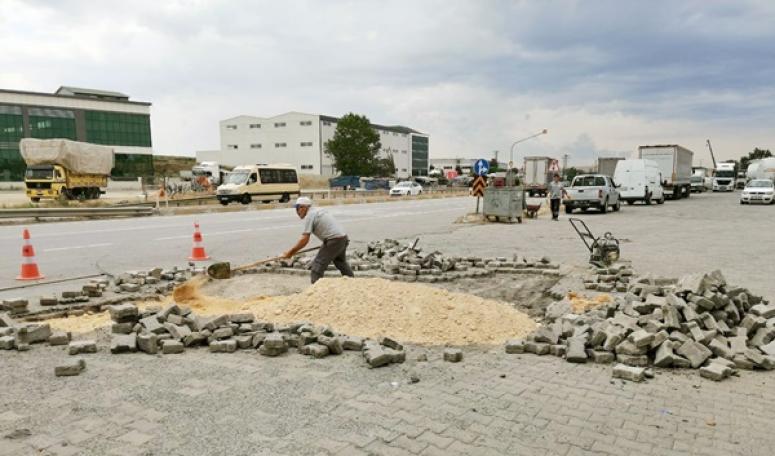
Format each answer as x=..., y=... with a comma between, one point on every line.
x=565, y=162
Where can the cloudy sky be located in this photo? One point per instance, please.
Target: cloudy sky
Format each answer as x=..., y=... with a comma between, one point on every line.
x=602, y=76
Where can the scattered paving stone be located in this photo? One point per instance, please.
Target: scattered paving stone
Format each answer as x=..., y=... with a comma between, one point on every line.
x=223, y=346
x=633, y=374
x=59, y=338
x=82, y=346
x=515, y=346
x=70, y=369
x=172, y=347
x=148, y=343
x=123, y=343
x=715, y=371
x=453, y=355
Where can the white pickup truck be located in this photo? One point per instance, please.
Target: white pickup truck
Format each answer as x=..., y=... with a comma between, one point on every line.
x=592, y=191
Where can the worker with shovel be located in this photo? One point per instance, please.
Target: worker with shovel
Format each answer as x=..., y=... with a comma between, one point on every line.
x=324, y=227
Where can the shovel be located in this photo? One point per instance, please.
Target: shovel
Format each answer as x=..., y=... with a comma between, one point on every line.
x=223, y=269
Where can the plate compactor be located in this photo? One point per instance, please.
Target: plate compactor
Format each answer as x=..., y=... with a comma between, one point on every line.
x=603, y=251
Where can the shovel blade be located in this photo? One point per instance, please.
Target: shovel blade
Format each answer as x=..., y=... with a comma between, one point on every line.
x=219, y=270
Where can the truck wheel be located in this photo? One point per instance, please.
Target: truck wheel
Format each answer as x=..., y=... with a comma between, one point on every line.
x=568, y=209
x=604, y=207
x=630, y=202
x=35, y=199
x=648, y=199
x=224, y=202
x=245, y=199
x=687, y=192
x=618, y=205
x=285, y=198
x=661, y=200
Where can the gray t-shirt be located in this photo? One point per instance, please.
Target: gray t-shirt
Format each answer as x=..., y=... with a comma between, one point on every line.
x=555, y=190
x=322, y=225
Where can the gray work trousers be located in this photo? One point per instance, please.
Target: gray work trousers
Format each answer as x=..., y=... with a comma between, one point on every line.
x=333, y=250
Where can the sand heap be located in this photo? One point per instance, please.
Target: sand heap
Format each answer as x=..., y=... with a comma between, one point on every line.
x=408, y=312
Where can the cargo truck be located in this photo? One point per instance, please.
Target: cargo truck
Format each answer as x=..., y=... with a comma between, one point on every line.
x=64, y=169
x=724, y=180
x=675, y=165
x=538, y=174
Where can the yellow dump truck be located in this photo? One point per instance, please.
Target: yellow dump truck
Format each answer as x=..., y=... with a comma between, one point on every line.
x=60, y=168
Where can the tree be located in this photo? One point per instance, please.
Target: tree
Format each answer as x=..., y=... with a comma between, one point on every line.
x=755, y=155
x=384, y=167
x=494, y=165
x=570, y=173
x=355, y=147
x=459, y=170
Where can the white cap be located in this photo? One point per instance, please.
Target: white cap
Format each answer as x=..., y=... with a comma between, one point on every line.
x=303, y=201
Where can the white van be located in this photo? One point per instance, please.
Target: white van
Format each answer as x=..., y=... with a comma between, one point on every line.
x=639, y=180
x=265, y=183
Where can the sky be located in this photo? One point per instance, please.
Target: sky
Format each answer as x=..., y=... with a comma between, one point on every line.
x=603, y=77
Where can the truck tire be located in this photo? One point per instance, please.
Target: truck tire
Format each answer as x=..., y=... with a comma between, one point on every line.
x=661, y=200
x=647, y=200
x=224, y=202
x=630, y=202
x=687, y=192
x=568, y=209
x=245, y=199
x=618, y=205
x=285, y=198
x=35, y=199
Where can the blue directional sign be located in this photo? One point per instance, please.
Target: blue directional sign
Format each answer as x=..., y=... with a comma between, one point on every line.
x=481, y=167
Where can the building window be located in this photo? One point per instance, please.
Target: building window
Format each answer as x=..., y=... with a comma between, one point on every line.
x=231, y=146
x=305, y=123
x=280, y=145
x=231, y=127
x=307, y=167
x=118, y=128
x=279, y=124
x=306, y=144
x=255, y=125
x=255, y=146
x=403, y=169
x=326, y=124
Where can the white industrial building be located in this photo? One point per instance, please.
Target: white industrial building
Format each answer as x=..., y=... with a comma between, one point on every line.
x=299, y=139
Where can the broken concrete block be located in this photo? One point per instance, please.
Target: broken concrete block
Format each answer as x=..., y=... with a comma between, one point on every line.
x=601, y=357
x=768, y=349
x=763, y=336
x=334, y=344
x=376, y=356
x=244, y=341
x=242, y=318
x=222, y=333
x=671, y=316
x=557, y=309
x=633, y=360
x=715, y=371
x=59, y=338
x=633, y=374
x=123, y=313
x=664, y=356
x=720, y=349
x=628, y=347
x=515, y=346
x=641, y=338
x=148, y=343
x=390, y=343
x=7, y=342
x=538, y=348
x=70, y=369
x=742, y=362
x=315, y=350
x=224, y=346
x=708, y=321
x=546, y=334
x=151, y=324
x=194, y=338
x=576, y=352
x=764, y=311
x=558, y=350
x=123, y=343
x=77, y=347
x=695, y=352
x=453, y=355
x=354, y=343
x=214, y=323
x=171, y=347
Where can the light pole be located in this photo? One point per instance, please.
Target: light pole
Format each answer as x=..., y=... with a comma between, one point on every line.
x=511, y=153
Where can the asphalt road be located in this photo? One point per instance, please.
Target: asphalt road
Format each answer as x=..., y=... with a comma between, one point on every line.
x=70, y=249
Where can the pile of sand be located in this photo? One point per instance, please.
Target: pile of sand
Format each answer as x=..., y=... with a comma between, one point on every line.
x=363, y=307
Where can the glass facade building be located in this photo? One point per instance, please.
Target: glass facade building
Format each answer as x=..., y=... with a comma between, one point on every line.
x=419, y=155
x=79, y=123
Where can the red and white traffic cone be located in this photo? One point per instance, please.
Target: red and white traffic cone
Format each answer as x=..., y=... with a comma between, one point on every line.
x=29, y=266
x=198, y=250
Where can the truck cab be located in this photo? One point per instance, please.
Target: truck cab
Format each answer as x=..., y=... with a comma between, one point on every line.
x=44, y=181
x=725, y=179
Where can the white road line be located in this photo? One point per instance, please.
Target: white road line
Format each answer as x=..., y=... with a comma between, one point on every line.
x=90, y=246
x=216, y=233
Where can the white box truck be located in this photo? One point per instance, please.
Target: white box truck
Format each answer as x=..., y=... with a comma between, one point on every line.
x=675, y=164
x=538, y=174
x=607, y=165
x=724, y=180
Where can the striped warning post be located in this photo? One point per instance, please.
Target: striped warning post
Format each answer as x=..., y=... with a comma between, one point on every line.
x=29, y=266
x=198, y=250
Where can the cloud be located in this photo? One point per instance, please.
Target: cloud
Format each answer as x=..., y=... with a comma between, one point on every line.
x=602, y=76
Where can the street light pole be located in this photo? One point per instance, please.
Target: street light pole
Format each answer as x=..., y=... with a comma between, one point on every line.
x=511, y=154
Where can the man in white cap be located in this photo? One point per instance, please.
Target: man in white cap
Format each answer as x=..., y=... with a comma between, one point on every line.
x=324, y=227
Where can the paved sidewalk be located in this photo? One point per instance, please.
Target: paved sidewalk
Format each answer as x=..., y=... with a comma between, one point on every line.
x=492, y=403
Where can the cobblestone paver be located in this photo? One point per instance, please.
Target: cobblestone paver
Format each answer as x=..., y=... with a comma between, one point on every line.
x=491, y=403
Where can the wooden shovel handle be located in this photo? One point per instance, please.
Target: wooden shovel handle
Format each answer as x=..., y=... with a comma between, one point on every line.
x=269, y=260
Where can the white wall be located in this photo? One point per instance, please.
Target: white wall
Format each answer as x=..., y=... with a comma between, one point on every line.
x=397, y=144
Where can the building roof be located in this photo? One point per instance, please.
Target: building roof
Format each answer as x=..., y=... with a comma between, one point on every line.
x=395, y=128
x=81, y=95
x=70, y=91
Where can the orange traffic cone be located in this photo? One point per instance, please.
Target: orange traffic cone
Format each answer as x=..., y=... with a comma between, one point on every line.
x=198, y=251
x=29, y=267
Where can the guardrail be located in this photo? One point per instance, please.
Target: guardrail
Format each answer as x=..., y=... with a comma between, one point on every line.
x=65, y=212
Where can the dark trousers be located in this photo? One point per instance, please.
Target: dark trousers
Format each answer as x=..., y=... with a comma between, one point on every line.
x=333, y=250
x=555, y=203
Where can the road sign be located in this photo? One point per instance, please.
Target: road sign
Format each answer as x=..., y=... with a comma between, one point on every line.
x=481, y=167
x=477, y=189
x=554, y=166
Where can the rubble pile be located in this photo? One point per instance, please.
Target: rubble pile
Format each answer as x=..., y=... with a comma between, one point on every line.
x=698, y=321
x=408, y=263
x=613, y=278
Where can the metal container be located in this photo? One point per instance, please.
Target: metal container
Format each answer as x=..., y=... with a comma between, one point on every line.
x=504, y=204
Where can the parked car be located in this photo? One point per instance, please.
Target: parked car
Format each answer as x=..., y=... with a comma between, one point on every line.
x=758, y=191
x=639, y=180
x=592, y=191
x=406, y=188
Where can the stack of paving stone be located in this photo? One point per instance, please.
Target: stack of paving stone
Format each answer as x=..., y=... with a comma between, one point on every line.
x=21, y=336
x=14, y=306
x=172, y=329
x=612, y=278
x=698, y=321
x=410, y=264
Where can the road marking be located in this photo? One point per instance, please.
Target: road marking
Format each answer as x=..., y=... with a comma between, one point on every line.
x=74, y=247
x=216, y=233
